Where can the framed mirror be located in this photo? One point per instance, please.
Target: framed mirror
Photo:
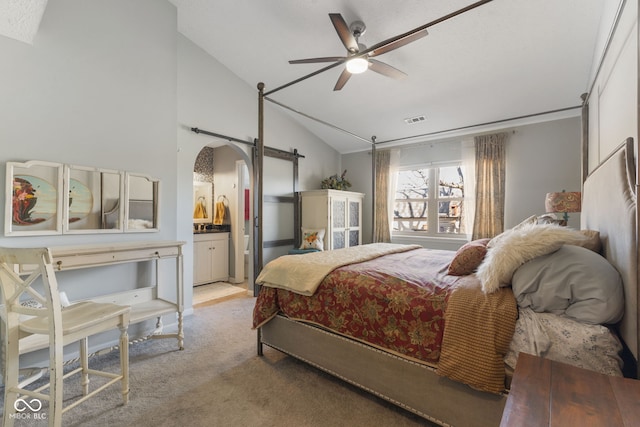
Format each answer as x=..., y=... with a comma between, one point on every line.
x=33, y=198
x=93, y=200
x=51, y=198
x=202, y=202
x=141, y=204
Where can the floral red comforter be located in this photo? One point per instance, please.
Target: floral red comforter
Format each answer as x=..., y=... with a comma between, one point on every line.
x=396, y=302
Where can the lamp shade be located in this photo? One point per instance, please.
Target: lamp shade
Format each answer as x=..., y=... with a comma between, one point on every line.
x=566, y=201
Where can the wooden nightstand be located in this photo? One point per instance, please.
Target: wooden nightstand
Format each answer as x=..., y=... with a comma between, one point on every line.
x=548, y=393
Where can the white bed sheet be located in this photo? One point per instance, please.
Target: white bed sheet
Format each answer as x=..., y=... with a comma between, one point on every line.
x=559, y=338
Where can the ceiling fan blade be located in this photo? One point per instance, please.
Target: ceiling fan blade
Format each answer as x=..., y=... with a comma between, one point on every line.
x=386, y=69
x=342, y=80
x=392, y=44
x=316, y=60
x=344, y=33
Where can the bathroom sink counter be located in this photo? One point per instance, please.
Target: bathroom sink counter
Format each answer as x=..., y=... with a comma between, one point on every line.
x=210, y=256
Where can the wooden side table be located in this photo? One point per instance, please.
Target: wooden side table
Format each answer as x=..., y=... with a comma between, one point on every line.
x=548, y=393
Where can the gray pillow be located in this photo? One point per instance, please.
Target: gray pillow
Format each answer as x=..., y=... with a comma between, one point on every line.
x=573, y=281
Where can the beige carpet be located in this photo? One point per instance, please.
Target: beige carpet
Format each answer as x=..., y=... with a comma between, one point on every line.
x=218, y=380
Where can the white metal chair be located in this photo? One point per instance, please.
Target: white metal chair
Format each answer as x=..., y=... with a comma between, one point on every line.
x=57, y=326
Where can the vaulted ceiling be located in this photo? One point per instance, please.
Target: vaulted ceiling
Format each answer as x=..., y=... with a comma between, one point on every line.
x=502, y=59
x=499, y=60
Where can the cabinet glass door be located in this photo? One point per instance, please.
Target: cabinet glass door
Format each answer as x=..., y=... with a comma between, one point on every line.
x=354, y=213
x=354, y=222
x=354, y=237
x=338, y=223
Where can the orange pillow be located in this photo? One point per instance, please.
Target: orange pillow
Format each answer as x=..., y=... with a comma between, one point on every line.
x=468, y=258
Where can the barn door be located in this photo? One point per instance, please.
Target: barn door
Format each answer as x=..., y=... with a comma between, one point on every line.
x=279, y=230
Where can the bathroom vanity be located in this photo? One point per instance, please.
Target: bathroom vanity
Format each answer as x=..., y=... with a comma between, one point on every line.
x=210, y=257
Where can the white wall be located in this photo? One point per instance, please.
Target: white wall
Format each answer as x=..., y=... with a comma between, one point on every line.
x=541, y=158
x=613, y=102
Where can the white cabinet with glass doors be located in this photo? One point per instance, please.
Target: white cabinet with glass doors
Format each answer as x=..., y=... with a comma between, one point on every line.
x=338, y=212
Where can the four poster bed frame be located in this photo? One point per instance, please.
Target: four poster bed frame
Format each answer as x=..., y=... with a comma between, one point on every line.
x=609, y=206
x=418, y=388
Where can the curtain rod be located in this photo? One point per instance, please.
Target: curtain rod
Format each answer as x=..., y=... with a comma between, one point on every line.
x=218, y=135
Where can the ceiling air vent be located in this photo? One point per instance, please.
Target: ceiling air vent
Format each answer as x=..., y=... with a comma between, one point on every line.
x=414, y=120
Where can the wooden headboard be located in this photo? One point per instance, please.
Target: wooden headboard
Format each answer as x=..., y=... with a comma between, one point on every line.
x=609, y=202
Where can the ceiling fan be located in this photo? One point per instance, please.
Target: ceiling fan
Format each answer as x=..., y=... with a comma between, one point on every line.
x=359, y=58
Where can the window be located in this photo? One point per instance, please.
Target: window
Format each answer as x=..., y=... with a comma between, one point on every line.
x=428, y=209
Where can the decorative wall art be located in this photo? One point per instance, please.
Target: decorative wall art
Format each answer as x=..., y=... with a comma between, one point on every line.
x=33, y=202
x=51, y=198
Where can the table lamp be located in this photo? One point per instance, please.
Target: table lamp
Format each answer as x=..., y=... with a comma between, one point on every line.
x=563, y=202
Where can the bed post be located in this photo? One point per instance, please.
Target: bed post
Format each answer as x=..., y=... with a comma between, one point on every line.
x=258, y=199
x=373, y=190
x=258, y=173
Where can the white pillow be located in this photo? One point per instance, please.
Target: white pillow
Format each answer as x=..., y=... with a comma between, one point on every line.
x=518, y=245
x=312, y=238
x=526, y=222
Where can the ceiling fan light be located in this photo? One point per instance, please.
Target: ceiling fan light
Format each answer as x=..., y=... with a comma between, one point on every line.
x=357, y=65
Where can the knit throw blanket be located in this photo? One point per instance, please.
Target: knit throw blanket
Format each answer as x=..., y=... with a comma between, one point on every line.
x=303, y=273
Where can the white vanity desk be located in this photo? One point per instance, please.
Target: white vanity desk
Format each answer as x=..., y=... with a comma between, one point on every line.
x=146, y=302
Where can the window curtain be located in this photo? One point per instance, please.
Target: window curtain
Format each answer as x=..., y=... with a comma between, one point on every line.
x=490, y=185
x=381, y=216
x=469, y=202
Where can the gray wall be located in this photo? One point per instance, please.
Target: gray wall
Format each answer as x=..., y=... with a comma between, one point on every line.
x=541, y=158
x=97, y=88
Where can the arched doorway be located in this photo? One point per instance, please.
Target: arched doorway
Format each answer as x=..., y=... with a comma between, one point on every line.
x=229, y=169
